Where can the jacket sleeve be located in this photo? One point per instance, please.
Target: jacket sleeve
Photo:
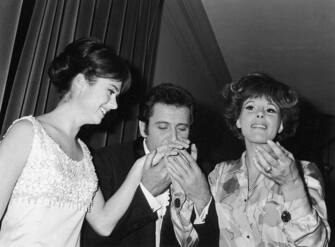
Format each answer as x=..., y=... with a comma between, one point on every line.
x=138, y=215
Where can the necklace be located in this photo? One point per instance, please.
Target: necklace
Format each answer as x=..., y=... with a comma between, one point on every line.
x=251, y=186
x=254, y=184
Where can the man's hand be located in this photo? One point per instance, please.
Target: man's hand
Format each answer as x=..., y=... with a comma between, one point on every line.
x=184, y=170
x=155, y=178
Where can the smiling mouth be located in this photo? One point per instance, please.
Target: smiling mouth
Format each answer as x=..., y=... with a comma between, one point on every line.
x=258, y=126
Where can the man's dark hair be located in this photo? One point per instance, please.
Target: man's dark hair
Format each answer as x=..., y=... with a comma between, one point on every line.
x=169, y=94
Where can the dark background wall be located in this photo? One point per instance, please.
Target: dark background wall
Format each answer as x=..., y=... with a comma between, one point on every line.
x=292, y=40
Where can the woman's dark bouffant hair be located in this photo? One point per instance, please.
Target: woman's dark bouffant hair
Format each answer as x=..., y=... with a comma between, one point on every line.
x=257, y=85
x=91, y=58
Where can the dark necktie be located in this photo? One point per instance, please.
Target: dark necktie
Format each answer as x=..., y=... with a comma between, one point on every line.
x=168, y=238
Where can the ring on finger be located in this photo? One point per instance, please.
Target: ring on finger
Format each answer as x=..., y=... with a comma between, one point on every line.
x=268, y=170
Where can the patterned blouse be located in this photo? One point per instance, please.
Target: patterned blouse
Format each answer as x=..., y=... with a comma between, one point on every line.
x=261, y=217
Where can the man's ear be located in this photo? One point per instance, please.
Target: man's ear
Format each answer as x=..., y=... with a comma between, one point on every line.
x=281, y=127
x=142, y=126
x=238, y=124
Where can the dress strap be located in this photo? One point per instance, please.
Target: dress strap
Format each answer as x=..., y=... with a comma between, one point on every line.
x=30, y=118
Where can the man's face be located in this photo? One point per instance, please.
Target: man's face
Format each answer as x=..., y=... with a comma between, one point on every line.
x=167, y=123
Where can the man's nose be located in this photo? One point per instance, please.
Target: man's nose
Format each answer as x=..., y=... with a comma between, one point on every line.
x=174, y=135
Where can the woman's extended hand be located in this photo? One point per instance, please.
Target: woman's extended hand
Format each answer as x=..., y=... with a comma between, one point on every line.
x=276, y=163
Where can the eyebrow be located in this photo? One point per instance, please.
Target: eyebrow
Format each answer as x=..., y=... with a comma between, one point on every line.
x=273, y=104
x=268, y=102
x=184, y=124
x=161, y=122
x=165, y=122
x=248, y=101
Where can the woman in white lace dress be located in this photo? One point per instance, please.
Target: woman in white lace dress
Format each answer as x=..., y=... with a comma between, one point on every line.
x=48, y=182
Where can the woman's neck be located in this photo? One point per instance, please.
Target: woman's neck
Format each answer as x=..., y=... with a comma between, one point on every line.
x=250, y=158
x=252, y=169
x=63, y=118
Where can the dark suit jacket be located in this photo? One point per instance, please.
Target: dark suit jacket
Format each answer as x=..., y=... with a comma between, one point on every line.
x=137, y=226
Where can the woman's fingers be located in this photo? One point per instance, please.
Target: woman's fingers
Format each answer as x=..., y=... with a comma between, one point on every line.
x=267, y=156
x=177, y=144
x=263, y=162
x=194, y=152
x=181, y=144
x=259, y=167
x=149, y=159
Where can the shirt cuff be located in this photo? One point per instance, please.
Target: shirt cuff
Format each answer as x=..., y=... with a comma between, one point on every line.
x=200, y=219
x=154, y=204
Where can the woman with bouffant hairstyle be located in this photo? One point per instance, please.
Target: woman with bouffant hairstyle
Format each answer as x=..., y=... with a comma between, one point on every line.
x=267, y=197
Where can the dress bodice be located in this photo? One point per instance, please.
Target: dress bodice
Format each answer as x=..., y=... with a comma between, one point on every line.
x=51, y=196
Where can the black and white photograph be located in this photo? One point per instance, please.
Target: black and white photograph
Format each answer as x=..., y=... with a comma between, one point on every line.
x=167, y=123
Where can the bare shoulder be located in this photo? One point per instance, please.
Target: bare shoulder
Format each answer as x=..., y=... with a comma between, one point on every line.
x=14, y=150
x=22, y=129
x=18, y=139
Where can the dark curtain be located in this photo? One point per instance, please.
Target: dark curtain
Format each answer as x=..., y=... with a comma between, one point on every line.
x=33, y=32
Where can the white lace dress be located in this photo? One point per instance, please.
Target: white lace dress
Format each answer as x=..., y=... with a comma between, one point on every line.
x=50, y=198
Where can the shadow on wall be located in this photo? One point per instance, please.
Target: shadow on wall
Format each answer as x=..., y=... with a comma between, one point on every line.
x=314, y=136
x=214, y=140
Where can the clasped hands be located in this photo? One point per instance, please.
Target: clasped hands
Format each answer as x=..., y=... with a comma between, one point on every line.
x=173, y=164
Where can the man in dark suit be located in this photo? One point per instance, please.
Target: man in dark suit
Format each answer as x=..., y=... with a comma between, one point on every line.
x=167, y=210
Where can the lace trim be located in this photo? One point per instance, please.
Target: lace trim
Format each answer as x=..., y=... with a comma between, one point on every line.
x=38, y=200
